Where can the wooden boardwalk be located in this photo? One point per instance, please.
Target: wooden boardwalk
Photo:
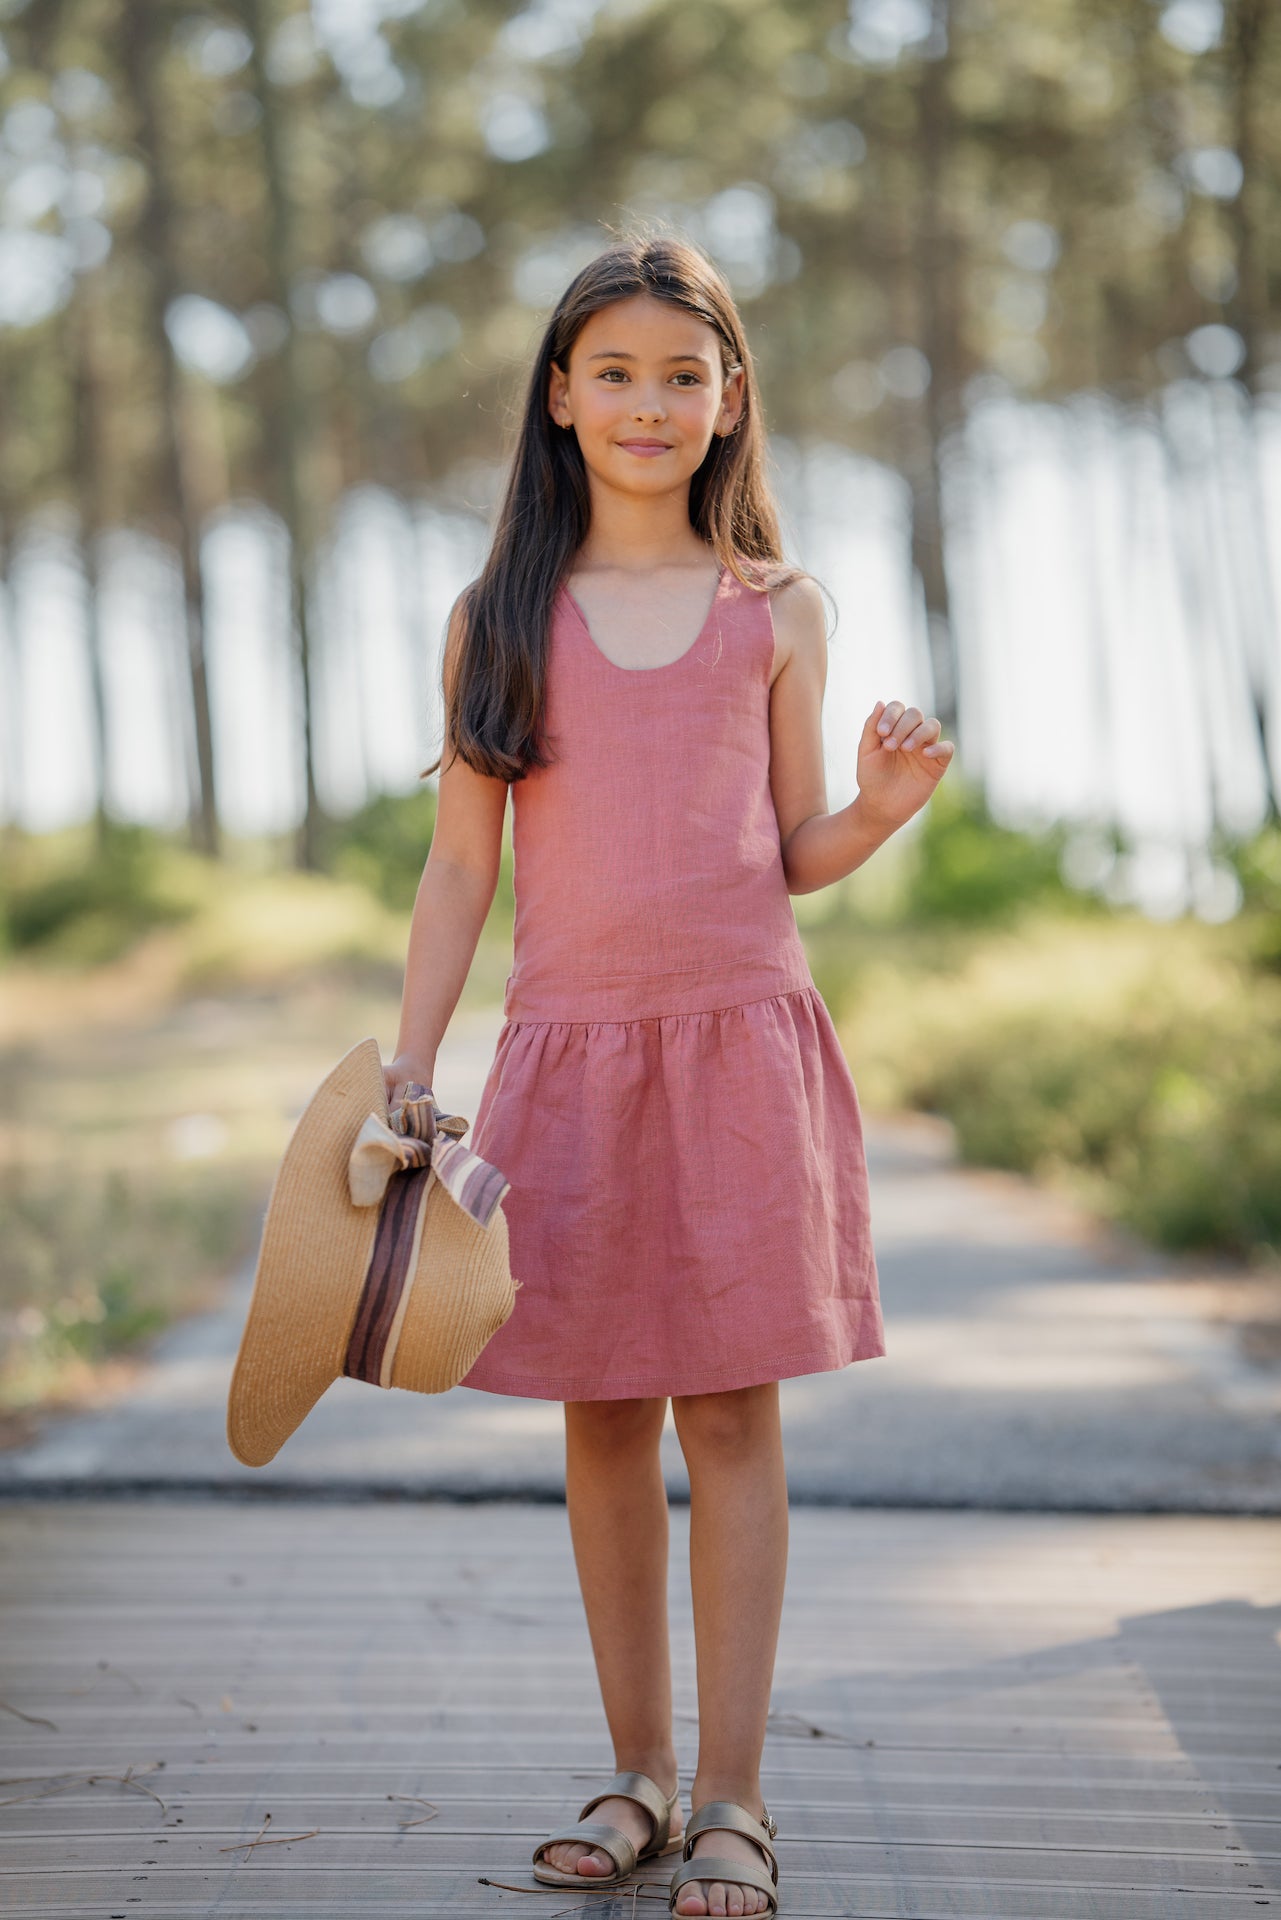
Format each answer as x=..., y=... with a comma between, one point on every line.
x=1048, y=1717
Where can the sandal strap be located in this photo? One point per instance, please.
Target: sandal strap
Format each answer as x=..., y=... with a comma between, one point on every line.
x=728, y=1817
x=708, y=1866
x=594, y=1833
x=630, y=1785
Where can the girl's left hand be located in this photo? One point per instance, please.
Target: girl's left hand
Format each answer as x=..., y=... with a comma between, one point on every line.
x=901, y=760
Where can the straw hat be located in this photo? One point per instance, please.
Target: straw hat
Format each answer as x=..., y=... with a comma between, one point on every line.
x=384, y=1257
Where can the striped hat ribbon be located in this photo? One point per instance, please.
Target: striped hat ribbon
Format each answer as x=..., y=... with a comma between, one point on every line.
x=421, y=1141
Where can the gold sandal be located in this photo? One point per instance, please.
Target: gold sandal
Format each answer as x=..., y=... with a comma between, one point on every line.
x=612, y=1840
x=726, y=1816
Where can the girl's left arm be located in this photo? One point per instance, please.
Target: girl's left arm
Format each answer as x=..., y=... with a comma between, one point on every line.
x=901, y=758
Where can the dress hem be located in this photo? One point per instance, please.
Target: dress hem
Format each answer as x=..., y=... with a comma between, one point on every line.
x=636, y=1387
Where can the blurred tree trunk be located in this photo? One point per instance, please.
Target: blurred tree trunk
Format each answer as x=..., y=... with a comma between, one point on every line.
x=939, y=341
x=11, y=640
x=143, y=38
x=289, y=419
x=1248, y=311
x=84, y=332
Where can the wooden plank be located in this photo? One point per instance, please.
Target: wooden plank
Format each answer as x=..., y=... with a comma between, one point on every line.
x=352, y=1850
x=945, y=1780
x=337, y=1809
x=262, y=1892
x=521, y=1725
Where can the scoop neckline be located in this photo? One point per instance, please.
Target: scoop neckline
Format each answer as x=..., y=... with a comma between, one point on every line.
x=666, y=665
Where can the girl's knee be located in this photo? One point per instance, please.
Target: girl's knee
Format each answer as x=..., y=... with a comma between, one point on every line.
x=733, y=1422
x=614, y=1424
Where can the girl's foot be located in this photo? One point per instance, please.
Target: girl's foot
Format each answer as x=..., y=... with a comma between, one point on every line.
x=723, y=1896
x=720, y=1896
x=573, y=1855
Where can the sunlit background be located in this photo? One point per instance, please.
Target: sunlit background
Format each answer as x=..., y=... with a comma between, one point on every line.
x=270, y=274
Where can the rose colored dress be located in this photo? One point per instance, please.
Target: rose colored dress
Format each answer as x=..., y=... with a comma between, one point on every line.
x=689, y=1205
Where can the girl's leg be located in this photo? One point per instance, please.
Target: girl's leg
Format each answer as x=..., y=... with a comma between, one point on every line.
x=733, y=1448
x=618, y=1522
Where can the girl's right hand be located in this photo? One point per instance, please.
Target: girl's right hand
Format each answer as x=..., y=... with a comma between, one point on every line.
x=399, y=1072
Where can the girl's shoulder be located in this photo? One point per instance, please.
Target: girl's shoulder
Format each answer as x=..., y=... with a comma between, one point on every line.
x=767, y=576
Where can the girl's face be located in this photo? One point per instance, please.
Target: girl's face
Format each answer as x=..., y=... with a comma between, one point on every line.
x=644, y=393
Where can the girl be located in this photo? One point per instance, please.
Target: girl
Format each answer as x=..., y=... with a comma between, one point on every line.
x=688, y=1211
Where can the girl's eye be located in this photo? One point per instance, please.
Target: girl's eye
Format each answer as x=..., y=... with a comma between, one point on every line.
x=684, y=375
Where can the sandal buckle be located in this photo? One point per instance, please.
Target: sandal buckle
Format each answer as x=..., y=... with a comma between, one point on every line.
x=770, y=1824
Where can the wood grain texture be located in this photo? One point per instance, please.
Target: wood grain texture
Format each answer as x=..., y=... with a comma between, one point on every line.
x=1004, y=1716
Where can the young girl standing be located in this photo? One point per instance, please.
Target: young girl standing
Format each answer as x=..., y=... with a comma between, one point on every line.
x=688, y=1210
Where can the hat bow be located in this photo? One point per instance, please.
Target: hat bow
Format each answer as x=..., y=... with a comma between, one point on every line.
x=420, y=1135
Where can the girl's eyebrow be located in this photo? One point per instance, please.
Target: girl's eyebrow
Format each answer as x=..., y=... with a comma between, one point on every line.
x=700, y=358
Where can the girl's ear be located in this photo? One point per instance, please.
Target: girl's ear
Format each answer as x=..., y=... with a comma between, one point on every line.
x=557, y=391
x=732, y=398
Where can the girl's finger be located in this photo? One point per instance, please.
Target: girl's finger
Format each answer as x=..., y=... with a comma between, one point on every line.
x=921, y=736
x=871, y=738
x=889, y=716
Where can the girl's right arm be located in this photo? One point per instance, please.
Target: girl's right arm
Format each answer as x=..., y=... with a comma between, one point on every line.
x=454, y=896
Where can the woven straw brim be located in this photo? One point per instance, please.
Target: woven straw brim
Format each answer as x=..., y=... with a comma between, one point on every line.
x=315, y=1252
x=311, y=1265
x=461, y=1294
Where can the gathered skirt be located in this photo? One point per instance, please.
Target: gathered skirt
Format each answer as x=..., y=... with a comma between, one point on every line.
x=688, y=1210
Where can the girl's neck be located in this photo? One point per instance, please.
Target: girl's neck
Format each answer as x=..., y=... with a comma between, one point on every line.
x=635, y=536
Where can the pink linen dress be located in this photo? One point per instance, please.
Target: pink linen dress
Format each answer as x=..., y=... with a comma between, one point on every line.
x=688, y=1209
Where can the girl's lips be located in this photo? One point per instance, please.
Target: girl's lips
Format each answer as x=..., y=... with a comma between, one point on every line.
x=645, y=446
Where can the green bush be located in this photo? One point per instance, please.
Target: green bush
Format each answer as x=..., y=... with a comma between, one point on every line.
x=1141, y=1063
x=970, y=870
x=1257, y=862
x=69, y=898
x=384, y=846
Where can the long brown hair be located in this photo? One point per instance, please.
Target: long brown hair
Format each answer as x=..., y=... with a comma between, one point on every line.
x=493, y=680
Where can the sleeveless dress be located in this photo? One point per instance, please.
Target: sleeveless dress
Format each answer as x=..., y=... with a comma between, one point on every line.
x=688, y=1209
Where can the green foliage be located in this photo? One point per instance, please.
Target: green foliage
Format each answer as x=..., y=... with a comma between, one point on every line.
x=73, y=899
x=1050, y=141
x=385, y=844
x=931, y=895
x=384, y=847
x=972, y=871
x=1257, y=863
x=1141, y=1064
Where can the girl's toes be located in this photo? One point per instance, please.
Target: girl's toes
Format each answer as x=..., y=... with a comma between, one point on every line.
x=594, y=1861
x=691, y=1901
